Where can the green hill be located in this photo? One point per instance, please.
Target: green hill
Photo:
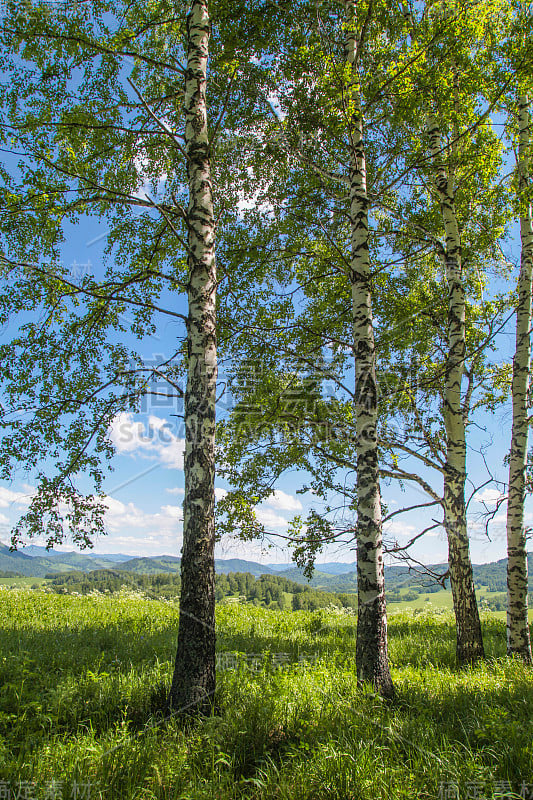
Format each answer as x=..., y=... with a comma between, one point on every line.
x=36, y=562
x=38, y=566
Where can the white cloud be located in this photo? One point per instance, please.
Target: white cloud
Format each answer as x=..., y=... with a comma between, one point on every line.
x=8, y=497
x=400, y=529
x=171, y=454
x=127, y=435
x=142, y=164
x=283, y=501
x=488, y=496
x=265, y=514
x=270, y=519
x=156, y=441
x=156, y=422
x=248, y=201
x=273, y=101
x=121, y=516
x=142, y=545
x=262, y=551
x=172, y=512
x=176, y=490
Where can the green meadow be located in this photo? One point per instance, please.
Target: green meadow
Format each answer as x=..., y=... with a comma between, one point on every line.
x=84, y=678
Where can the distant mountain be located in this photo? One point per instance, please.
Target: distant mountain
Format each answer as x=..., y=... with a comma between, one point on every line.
x=494, y=575
x=345, y=582
x=330, y=567
x=9, y=560
x=26, y=565
x=36, y=550
x=336, y=567
x=150, y=566
x=35, y=561
x=226, y=565
x=53, y=561
x=116, y=558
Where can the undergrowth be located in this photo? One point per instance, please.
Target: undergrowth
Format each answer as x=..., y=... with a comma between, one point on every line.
x=84, y=682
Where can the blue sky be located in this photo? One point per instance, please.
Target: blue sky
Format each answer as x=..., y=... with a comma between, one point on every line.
x=145, y=491
x=145, y=494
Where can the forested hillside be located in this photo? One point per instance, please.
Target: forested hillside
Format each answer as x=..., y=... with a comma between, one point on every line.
x=276, y=590
x=270, y=591
x=129, y=571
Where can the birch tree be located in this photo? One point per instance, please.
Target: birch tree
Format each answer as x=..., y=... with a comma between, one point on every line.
x=469, y=638
x=107, y=114
x=325, y=243
x=372, y=654
x=193, y=682
x=518, y=639
x=451, y=112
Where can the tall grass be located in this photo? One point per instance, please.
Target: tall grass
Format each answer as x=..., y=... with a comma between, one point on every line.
x=83, y=679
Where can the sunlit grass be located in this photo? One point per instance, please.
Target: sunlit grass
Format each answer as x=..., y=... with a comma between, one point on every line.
x=82, y=679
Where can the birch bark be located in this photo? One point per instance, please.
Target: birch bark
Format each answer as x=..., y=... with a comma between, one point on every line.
x=372, y=646
x=193, y=683
x=469, y=638
x=518, y=639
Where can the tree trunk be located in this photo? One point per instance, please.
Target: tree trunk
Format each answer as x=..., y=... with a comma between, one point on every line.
x=193, y=683
x=469, y=638
x=371, y=647
x=518, y=640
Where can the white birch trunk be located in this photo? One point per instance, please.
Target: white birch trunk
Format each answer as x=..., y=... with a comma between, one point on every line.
x=518, y=639
x=193, y=683
x=371, y=646
x=469, y=639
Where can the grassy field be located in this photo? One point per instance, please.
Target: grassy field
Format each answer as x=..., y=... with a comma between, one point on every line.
x=82, y=678
x=442, y=600
x=22, y=582
x=425, y=601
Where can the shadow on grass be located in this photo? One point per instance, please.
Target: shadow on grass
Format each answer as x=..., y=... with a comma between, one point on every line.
x=95, y=676
x=90, y=677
